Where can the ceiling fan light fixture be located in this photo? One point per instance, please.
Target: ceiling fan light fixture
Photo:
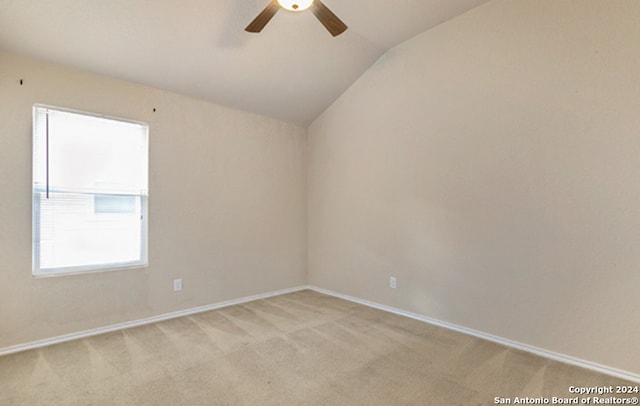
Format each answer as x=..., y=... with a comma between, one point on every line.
x=295, y=5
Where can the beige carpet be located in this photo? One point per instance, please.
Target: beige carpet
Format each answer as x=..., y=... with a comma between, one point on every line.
x=303, y=348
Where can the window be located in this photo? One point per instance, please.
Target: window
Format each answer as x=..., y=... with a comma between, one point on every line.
x=90, y=188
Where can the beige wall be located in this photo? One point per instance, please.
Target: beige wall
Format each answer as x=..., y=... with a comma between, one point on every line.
x=492, y=165
x=227, y=205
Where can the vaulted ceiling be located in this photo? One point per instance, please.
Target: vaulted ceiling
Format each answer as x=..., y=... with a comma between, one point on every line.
x=293, y=70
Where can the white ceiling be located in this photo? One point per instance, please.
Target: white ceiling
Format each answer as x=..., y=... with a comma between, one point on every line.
x=291, y=71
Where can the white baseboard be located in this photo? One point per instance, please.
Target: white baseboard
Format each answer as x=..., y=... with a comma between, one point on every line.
x=142, y=322
x=509, y=343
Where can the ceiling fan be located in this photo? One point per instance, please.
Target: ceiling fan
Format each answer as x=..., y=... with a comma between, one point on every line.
x=330, y=21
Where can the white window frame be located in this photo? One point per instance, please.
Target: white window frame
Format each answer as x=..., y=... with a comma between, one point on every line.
x=37, y=192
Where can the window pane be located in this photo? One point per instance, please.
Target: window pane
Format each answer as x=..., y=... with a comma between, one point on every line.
x=114, y=203
x=73, y=233
x=89, y=192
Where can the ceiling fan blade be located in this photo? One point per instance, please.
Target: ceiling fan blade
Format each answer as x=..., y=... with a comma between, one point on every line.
x=330, y=21
x=263, y=18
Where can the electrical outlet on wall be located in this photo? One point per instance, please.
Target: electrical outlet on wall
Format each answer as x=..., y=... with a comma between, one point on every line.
x=177, y=285
x=392, y=282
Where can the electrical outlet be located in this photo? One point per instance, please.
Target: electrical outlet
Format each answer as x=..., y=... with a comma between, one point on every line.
x=177, y=285
x=392, y=282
